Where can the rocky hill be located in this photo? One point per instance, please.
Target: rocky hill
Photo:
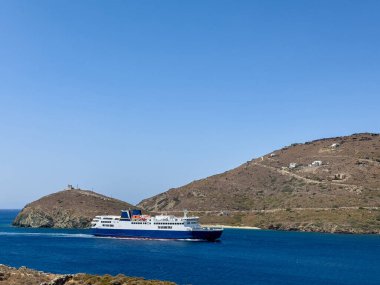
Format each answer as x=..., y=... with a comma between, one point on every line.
x=23, y=276
x=290, y=187
x=72, y=208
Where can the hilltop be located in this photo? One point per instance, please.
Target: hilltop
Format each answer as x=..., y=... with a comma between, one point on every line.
x=329, y=185
x=70, y=208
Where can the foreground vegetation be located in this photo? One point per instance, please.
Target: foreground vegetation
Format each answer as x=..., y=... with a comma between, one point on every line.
x=26, y=276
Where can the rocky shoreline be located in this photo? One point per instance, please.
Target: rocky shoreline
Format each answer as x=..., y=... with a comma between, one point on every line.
x=335, y=220
x=26, y=276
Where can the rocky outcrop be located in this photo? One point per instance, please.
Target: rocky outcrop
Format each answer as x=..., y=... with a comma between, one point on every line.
x=56, y=218
x=59, y=280
x=73, y=208
x=23, y=276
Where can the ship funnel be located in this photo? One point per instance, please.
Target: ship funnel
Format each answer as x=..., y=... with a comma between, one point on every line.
x=185, y=213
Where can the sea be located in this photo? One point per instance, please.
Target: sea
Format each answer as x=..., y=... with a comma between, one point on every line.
x=241, y=257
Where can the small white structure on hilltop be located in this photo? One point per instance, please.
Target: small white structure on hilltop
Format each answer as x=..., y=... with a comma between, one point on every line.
x=340, y=176
x=292, y=165
x=273, y=154
x=316, y=163
x=334, y=145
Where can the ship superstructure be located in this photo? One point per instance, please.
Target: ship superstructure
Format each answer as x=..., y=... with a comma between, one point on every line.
x=133, y=224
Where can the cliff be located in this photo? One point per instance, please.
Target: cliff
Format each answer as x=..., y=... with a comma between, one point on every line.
x=324, y=185
x=74, y=208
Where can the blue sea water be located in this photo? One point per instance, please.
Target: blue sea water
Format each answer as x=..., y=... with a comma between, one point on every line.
x=241, y=257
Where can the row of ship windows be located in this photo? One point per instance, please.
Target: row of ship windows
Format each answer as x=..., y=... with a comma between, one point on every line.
x=140, y=223
x=106, y=222
x=108, y=226
x=168, y=223
x=164, y=227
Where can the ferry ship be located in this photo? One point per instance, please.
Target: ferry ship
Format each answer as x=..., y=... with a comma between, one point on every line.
x=133, y=224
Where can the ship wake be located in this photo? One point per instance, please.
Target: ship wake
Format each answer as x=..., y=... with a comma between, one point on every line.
x=55, y=235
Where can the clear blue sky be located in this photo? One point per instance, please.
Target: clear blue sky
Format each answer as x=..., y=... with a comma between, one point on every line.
x=131, y=98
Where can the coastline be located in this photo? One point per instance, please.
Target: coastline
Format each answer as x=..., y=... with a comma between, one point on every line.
x=351, y=220
x=233, y=227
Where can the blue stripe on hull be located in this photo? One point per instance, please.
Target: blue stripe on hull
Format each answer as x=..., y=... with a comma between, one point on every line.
x=158, y=234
